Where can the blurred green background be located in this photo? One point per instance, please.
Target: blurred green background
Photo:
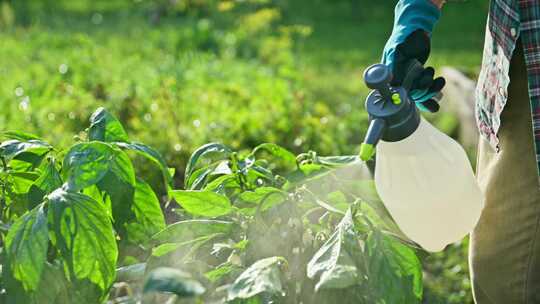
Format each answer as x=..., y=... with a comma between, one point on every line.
x=181, y=73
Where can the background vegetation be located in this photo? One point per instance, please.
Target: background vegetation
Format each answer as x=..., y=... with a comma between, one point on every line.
x=179, y=74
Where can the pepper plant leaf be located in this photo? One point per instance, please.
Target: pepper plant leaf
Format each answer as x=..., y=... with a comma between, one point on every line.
x=165, y=279
x=335, y=161
x=48, y=181
x=263, y=276
x=19, y=135
x=192, y=229
x=13, y=148
x=279, y=152
x=119, y=184
x=394, y=271
x=335, y=263
x=26, y=247
x=207, y=150
x=262, y=194
x=83, y=233
x=203, y=203
x=151, y=154
x=149, y=218
x=86, y=164
x=105, y=127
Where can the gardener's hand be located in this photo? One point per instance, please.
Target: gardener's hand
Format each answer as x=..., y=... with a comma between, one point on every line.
x=409, y=42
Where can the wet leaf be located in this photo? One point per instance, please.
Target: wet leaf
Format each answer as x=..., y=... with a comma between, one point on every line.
x=335, y=263
x=263, y=276
x=172, y=280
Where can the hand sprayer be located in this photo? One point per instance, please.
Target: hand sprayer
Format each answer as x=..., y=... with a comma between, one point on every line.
x=423, y=177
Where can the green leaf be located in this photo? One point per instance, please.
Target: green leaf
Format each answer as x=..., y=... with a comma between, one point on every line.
x=278, y=152
x=166, y=248
x=150, y=154
x=336, y=161
x=329, y=207
x=86, y=164
x=130, y=273
x=222, y=183
x=108, y=167
x=262, y=276
x=394, y=271
x=26, y=245
x=22, y=181
x=337, y=202
x=192, y=229
x=335, y=263
x=149, y=218
x=264, y=197
x=105, y=127
x=53, y=288
x=205, y=151
x=119, y=184
x=47, y=182
x=19, y=135
x=203, y=203
x=221, y=272
x=12, y=148
x=260, y=194
x=83, y=233
x=379, y=217
x=172, y=280
x=198, y=178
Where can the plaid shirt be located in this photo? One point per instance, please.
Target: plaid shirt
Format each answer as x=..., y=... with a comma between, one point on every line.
x=508, y=20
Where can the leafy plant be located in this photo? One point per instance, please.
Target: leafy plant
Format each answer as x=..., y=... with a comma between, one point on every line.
x=73, y=215
x=255, y=226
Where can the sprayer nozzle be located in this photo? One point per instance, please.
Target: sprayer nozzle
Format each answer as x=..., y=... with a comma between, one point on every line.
x=366, y=151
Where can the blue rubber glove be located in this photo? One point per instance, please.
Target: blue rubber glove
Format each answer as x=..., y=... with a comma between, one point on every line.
x=410, y=40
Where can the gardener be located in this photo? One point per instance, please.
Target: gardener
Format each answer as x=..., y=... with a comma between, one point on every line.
x=505, y=245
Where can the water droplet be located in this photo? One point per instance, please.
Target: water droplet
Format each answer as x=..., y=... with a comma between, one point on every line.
x=324, y=120
x=63, y=68
x=147, y=117
x=298, y=141
x=154, y=107
x=24, y=104
x=177, y=147
x=51, y=116
x=19, y=91
x=196, y=123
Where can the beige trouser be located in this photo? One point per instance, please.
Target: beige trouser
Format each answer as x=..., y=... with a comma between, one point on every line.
x=505, y=245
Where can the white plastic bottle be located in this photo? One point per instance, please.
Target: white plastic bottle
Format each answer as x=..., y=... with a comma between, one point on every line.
x=427, y=184
x=423, y=177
